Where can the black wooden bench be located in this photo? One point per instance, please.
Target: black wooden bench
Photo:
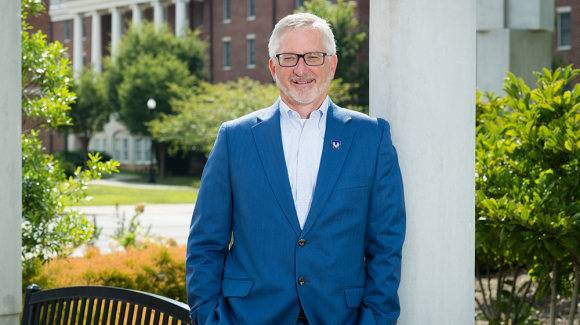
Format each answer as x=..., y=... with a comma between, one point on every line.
x=93, y=305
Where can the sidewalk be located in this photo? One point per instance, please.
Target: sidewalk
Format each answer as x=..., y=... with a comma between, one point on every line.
x=121, y=180
x=167, y=220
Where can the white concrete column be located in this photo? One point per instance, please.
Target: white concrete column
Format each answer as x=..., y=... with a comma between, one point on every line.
x=96, y=41
x=180, y=17
x=77, y=44
x=137, y=14
x=10, y=164
x=157, y=13
x=422, y=80
x=116, y=21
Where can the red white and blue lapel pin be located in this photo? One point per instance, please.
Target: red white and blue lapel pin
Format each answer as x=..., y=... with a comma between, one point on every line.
x=335, y=144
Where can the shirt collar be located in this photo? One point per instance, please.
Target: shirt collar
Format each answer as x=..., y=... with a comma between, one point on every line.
x=286, y=115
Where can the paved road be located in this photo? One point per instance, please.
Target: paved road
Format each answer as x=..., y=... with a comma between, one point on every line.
x=167, y=220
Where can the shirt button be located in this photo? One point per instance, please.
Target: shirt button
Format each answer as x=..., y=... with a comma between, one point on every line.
x=305, y=138
x=302, y=242
x=303, y=198
x=301, y=281
x=303, y=167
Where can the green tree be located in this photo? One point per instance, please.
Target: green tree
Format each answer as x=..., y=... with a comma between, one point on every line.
x=528, y=187
x=200, y=111
x=91, y=110
x=47, y=228
x=146, y=63
x=351, y=39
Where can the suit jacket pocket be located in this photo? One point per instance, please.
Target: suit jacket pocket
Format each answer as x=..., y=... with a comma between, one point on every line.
x=236, y=287
x=354, y=296
x=352, y=183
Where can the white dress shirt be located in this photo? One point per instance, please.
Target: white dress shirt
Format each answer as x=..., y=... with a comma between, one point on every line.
x=302, y=140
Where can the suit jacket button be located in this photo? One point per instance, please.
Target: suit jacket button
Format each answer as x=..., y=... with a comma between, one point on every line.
x=301, y=281
x=302, y=242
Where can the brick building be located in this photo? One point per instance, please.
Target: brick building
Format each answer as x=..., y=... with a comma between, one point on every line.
x=238, y=30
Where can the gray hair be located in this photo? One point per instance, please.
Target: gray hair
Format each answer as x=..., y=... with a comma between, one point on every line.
x=302, y=20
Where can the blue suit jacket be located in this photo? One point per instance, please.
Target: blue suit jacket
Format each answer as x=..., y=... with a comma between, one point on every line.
x=354, y=232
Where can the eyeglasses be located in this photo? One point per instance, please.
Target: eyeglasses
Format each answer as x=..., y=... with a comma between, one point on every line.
x=312, y=59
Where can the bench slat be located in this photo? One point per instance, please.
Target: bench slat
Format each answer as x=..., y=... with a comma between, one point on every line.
x=89, y=318
x=105, y=312
x=148, y=317
x=121, y=318
x=98, y=312
x=74, y=307
x=165, y=319
x=44, y=312
x=53, y=305
x=139, y=315
x=83, y=311
x=156, y=317
x=59, y=311
x=130, y=316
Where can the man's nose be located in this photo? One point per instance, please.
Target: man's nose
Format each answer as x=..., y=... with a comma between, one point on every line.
x=301, y=68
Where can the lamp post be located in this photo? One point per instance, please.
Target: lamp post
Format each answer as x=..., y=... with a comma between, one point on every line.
x=151, y=105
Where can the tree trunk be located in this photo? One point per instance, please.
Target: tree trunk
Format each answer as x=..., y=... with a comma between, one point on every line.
x=162, y=153
x=574, y=292
x=553, y=294
x=84, y=139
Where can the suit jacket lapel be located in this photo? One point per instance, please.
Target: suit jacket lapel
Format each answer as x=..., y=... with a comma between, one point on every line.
x=331, y=161
x=268, y=138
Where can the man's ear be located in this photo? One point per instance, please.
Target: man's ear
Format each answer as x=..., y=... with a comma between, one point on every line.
x=273, y=69
x=333, y=64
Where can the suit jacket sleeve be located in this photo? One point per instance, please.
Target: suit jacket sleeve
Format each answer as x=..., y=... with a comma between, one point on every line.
x=209, y=234
x=384, y=238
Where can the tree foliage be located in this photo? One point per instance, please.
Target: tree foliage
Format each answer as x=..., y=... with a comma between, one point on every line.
x=351, y=39
x=201, y=110
x=528, y=189
x=146, y=62
x=47, y=228
x=90, y=112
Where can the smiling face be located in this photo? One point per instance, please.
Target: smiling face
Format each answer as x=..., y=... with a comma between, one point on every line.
x=303, y=85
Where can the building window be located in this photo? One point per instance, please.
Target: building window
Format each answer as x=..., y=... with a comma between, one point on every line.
x=96, y=145
x=227, y=11
x=251, y=9
x=84, y=59
x=147, y=144
x=84, y=23
x=251, y=50
x=126, y=149
x=67, y=30
x=299, y=3
x=104, y=146
x=227, y=41
x=199, y=14
x=138, y=150
x=117, y=152
x=564, y=28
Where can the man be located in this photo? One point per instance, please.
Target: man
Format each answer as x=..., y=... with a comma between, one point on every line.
x=313, y=196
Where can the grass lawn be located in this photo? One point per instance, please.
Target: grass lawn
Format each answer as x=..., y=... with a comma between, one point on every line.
x=109, y=195
x=193, y=181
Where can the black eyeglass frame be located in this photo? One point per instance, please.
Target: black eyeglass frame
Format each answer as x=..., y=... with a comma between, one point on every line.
x=303, y=59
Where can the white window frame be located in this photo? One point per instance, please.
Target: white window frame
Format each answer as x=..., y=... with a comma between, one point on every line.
x=228, y=40
x=559, y=12
x=227, y=3
x=251, y=16
x=248, y=38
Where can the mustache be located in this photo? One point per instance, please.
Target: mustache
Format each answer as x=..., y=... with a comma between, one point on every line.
x=302, y=78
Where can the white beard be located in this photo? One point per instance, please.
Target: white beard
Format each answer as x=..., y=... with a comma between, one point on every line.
x=306, y=96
